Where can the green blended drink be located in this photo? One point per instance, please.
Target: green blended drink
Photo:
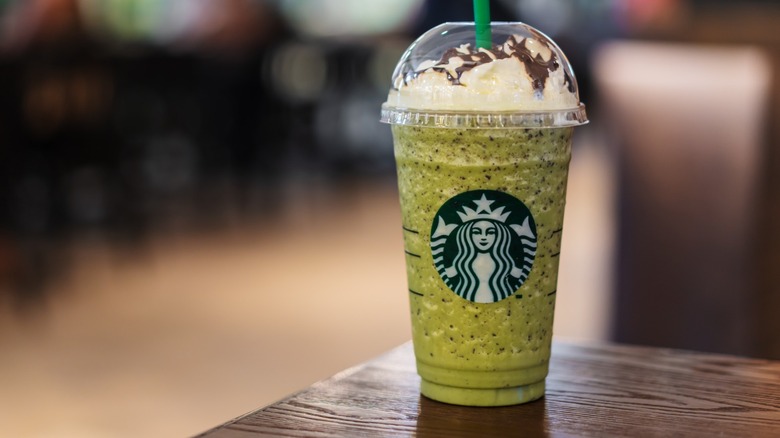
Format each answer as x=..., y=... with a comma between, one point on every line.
x=482, y=145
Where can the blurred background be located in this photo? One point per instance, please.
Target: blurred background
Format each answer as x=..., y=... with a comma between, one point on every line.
x=198, y=212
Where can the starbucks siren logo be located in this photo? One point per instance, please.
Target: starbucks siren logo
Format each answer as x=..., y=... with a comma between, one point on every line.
x=483, y=244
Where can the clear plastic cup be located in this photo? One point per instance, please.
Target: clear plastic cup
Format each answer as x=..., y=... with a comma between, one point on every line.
x=482, y=149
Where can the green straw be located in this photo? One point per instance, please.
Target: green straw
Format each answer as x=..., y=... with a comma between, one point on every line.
x=482, y=22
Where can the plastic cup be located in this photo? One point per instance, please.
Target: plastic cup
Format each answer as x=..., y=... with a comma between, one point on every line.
x=482, y=179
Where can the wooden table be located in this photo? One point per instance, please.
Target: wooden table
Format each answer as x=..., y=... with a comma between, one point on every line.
x=592, y=390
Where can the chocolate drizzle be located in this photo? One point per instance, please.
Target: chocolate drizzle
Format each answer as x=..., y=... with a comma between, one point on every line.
x=455, y=61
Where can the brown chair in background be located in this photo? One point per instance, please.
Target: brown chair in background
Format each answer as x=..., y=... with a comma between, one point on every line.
x=688, y=123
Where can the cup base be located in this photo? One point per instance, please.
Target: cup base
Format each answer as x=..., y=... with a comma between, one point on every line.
x=514, y=395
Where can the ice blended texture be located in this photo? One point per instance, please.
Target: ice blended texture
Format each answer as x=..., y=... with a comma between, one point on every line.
x=459, y=343
x=483, y=120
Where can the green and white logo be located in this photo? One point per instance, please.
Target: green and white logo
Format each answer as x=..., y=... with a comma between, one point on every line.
x=483, y=244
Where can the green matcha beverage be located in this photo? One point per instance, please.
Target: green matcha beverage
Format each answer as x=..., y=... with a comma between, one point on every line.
x=482, y=138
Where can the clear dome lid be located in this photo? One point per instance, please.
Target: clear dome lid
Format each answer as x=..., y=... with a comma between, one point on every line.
x=523, y=80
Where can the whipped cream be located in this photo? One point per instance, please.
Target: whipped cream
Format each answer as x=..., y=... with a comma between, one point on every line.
x=523, y=74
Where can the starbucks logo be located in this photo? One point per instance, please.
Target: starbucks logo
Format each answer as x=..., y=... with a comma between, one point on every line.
x=483, y=244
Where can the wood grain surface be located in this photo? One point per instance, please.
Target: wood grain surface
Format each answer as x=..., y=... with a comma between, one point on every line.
x=592, y=390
